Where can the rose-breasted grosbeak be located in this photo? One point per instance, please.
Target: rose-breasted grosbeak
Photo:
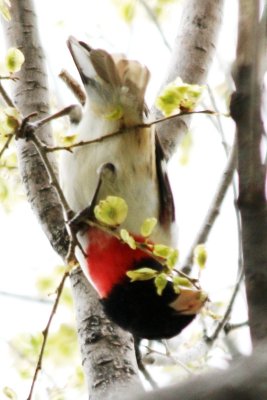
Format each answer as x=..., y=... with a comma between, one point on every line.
x=129, y=165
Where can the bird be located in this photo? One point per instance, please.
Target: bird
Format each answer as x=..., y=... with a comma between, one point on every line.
x=124, y=160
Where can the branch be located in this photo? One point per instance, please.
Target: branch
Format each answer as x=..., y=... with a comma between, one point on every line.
x=45, y=334
x=191, y=58
x=234, y=185
x=25, y=297
x=246, y=111
x=9, y=103
x=244, y=380
x=122, y=131
x=141, y=365
x=230, y=327
x=73, y=242
x=31, y=95
x=5, y=146
x=228, y=311
x=154, y=19
x=74, y=86
x=5, y=96
x=172, y=359
x=147, y=249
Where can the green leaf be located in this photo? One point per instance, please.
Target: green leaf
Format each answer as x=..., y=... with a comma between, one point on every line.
x=128, y=11
x=173, y=258
x=68, y=140
x=176, y=288
x=112, y=211
x=14, y=59
x=127, y=238
x=141, y=274
x=10, y=120
x=200, y=255
x=182, y=281
x=178, y=95
x=4, y=9
x=147, y=226
x=178, y=282
x=161, y=250
x=45, y=285
x=9, y=393
x=160, y=283
x=115, y=114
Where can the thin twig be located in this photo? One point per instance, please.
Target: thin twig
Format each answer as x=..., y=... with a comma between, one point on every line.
x=141, y=365
x=52, y=176
x=235, y=191
x=213, y=210
x=5, y=96
x=228, y=311
x=175, y=360
x=237, y=213
x=230, y=327
x=45, y=334
x=179, y=362
x=27, y=131
x=25, y=297
x=74, y=86
x=5, y=146
x=69, y=110
x=143, y=247
x=123, y=131
x=10, y=77
x=154, y=19
x=218, y=118
x=54, y=182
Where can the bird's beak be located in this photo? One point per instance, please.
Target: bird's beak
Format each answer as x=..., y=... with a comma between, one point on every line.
x=80, y=52
x=189, y=301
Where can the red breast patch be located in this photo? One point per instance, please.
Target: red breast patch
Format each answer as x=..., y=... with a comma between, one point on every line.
x=109, y=260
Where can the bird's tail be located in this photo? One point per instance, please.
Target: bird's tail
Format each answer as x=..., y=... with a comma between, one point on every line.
x=114, y=85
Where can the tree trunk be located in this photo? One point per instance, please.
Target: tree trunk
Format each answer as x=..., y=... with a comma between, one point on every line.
x=191, y=58
x=31, y=95
x=246, y=111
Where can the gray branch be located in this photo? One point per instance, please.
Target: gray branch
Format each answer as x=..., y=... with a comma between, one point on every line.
x=31, y=95
x=245, y=380
x=246, y=111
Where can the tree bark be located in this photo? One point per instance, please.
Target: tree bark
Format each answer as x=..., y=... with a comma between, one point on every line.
x=107, y=351
x=112, y=360
x=246, y=111
x=191, y=58
x=31, y=95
